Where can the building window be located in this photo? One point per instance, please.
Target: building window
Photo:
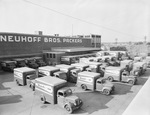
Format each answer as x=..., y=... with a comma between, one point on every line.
x=50, y=55
x=54, y=56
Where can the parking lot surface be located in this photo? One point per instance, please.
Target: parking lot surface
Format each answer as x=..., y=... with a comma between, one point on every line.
x=21, y=100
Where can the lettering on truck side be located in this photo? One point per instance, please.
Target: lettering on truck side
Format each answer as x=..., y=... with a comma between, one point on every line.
x=44, y=88
x=44, y=72
x=18, y=75
x=85, y=80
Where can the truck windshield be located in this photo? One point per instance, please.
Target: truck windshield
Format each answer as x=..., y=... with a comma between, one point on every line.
x=68, y=92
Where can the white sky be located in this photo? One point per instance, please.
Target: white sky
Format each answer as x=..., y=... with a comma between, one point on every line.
x=126, y=20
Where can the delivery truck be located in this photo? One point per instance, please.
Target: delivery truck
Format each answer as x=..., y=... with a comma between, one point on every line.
x=93, y=81
x=119, y=74
x=24, y=75
x=52, y=71
x=54, y=90
x=70, y=71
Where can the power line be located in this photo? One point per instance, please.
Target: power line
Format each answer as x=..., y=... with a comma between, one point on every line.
x=106, y=28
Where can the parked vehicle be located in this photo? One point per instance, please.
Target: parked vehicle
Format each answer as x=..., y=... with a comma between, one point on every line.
x=138, y=59
x=70, y=71
x=39, y=61
x=127, y=64
x=139, y=68
x=147, y=60
x=80, y=66
x=54, y=90
x=52, y=71
x=20, y=62
x=97, y=67
x=90, y=80
x=119, y=74
x=30, y=62
x=8, y=65
x=24, y=75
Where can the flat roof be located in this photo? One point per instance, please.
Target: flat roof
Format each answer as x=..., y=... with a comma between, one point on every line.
x=24, y=69
x=74, y=49
x=48, y=68
x=89, y=74
x=49, y=80
x=79, y=64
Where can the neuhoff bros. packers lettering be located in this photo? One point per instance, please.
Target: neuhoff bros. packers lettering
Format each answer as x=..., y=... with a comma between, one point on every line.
x=20, y=38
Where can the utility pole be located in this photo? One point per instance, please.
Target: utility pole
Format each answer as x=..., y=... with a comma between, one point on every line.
x=145, y=39
x=72, y=30
x=116, y=40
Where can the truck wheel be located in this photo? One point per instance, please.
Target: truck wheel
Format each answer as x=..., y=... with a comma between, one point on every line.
x=106, y=92
x=17, y=82
x=43, y=100
x=131, y=82
x=110, y=78
x=68, y=109
x=84, y=87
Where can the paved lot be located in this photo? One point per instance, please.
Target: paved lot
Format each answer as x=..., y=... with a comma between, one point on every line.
x=20, y=100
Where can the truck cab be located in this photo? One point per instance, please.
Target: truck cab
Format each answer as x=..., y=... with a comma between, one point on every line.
x=90, y=80
x=20, y=62
x=119, y=74
x=8, y=65
x=30, y=62
x=139, y=68
x=67, y=100
x=39, y=61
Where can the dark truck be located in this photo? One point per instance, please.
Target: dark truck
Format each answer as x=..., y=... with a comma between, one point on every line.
x=54, y=90
x=30, y=62
x=39, y=61
x=90, y=80
x=8, y=65
x=20, y=62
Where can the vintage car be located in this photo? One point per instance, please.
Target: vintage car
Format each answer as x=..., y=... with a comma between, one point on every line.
x=20, y=62
x=8, y=65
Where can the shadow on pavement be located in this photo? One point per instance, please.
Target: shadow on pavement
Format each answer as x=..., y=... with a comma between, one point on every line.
x=5, y=77
x=122, y=88
x=92, y=101
x=10, y=99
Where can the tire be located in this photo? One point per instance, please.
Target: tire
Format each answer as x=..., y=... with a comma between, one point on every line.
x=68, y=109
x=106, y=92
x=17, y=82
x=43, y=99
x=84, y=87
x=110, y=78
x=131, y=82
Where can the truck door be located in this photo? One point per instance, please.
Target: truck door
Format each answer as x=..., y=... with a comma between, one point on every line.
x=60, y=98
x=124, y=76
x=99, y=85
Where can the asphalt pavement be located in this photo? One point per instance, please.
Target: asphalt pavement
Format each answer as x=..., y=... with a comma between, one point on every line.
x=21, y=100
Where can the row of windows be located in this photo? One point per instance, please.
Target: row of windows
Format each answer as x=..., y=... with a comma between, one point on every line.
x=50, y=55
